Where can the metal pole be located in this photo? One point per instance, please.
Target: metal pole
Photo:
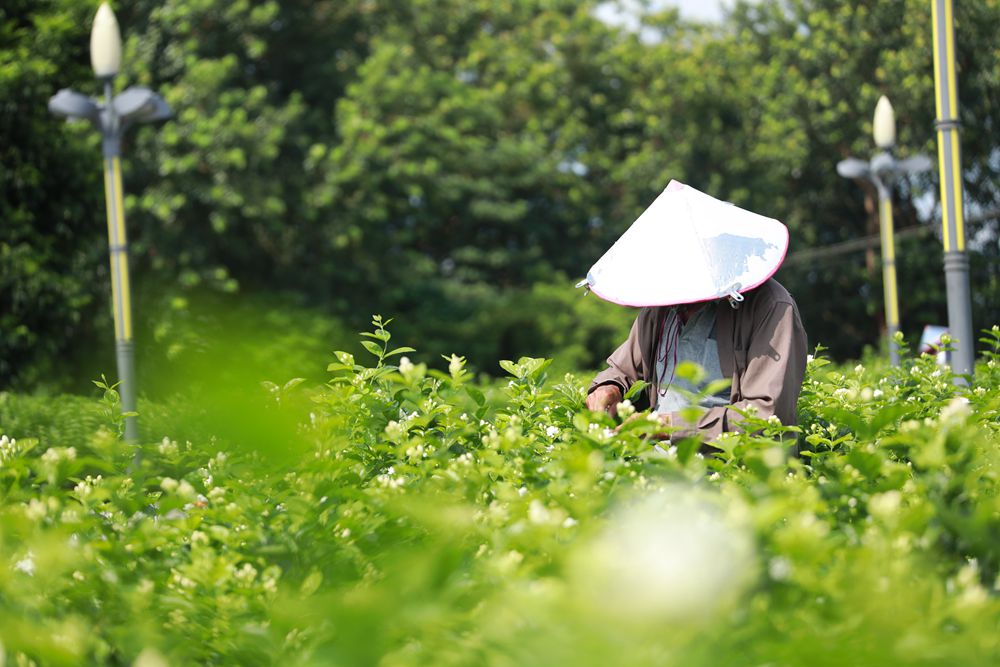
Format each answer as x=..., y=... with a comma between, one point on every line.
x=888, y=269
x=956, y=262
x=118, y=247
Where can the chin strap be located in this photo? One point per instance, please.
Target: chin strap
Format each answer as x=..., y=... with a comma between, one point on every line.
x=734, y=297
x=584, y=283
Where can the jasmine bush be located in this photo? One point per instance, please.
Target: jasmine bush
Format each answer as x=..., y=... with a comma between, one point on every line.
x=403, y=515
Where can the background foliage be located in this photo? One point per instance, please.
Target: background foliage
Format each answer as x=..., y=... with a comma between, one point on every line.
x=461, y=166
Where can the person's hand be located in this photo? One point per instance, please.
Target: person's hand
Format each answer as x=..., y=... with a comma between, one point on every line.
x=605, y=398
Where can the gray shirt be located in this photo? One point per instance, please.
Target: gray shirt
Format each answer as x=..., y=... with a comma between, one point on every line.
x=694, y=342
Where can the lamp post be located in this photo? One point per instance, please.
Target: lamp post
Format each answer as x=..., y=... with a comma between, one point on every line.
x=882, y=171
x=112, y=118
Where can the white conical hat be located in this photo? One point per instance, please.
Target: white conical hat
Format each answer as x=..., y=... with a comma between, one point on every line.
x=688, y=247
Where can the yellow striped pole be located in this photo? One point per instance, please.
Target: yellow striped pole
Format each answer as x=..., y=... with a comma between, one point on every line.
x=118, y=252
x=889, y=270
x=956, y=261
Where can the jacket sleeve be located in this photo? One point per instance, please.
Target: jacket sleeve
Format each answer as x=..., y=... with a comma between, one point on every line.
x=624, y=365
x=774, y=366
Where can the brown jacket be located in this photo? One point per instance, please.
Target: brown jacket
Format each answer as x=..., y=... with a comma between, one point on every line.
x=762, y=347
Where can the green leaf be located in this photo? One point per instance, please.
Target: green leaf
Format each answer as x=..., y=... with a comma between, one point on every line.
x=637, y=387
x=511, y=368
x=478, y=396
x=373, y=348
x=294, y=382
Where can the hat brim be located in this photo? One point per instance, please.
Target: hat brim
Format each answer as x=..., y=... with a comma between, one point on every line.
x=689, y=247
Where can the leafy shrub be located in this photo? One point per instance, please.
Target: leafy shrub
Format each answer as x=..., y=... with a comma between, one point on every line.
x=409, y=515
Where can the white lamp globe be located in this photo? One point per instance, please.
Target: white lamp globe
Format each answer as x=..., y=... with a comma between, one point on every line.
x=105, y=43
x=884, y=124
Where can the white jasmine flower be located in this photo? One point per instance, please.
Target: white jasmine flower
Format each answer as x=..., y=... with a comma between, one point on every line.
x=885, y=505
x=674, y=556
x=26, y=564
x=538, y=513
x=54, y=455
x=774, y=457
x=552, y=431
x=8, y=449
x=957, y=407
x=169, y=484
x=150, y=657
x=780, y=568
x=405, y=366
x=168, y=447
x=394, y=430
x=245, y=574
x=35, y=509
x=625, y=409
x=455, y=365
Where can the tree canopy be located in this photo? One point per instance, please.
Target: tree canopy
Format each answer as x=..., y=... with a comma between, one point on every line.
x=459, y=164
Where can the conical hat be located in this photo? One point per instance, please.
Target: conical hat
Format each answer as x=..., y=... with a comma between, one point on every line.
x=688, y=247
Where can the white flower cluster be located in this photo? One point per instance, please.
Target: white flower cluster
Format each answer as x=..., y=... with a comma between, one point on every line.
x=418, y=451
x=957, y=409
x=168, y=447
x=967, y=587
x=246, y=574
x=86, y=487
x=389, y=480
x=625, y=409
x=455, y=365
x=600, y=433
x=37, y=509
x=675, y=554
x=26, y=564
x=182, y=488
x=8, y=449
x=54, y=455
x=394, y=430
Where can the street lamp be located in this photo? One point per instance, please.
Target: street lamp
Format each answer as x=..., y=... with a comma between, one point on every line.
x=112, y=118
x=882, y=171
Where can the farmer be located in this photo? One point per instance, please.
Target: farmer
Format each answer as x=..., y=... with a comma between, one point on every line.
x=684, y=262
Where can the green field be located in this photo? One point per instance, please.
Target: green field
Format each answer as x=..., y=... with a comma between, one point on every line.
x=405, y=515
